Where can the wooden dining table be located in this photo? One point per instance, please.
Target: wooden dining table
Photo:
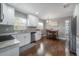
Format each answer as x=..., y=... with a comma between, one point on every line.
x=52, y=34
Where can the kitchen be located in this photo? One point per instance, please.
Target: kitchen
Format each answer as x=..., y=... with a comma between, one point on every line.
x=16, y=27
x=21, y=29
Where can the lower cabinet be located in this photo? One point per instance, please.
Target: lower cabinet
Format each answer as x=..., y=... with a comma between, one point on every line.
x=38, y=35
x=24, y=38
x=10, y=51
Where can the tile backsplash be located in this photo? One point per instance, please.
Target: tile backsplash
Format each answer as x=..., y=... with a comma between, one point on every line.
x=6, y=28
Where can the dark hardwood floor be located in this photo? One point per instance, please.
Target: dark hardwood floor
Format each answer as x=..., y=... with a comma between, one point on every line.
x=46, y=47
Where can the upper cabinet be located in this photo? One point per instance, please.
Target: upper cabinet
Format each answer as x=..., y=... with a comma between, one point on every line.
x=10, y=15
x=20, y=21
x=40, y=25
x=32, y=21
x=7, y=14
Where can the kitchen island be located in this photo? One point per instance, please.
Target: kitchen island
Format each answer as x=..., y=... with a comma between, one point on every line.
x=9, y=48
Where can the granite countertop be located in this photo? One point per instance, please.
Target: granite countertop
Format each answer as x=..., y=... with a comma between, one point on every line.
x=2, y=34
x=20, y=31
x=8, y=43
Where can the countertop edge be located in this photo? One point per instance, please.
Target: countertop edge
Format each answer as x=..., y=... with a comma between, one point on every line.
x=8, y=43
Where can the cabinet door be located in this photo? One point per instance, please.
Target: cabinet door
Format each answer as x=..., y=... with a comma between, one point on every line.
x=20, y=38
x=32, y=21
x=10, y=15
x=4, y=14
x=24, y=39
x=27, y=38
x=38, y=35
x=11, y=52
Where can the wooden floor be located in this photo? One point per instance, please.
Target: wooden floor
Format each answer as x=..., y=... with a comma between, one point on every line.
x=46, y=47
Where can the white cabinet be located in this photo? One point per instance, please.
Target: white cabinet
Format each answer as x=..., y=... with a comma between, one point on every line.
x=4, y=14
x=11, y=52
x=20, y=23
x=24, y=38
x=9, y=48
x=8, y=15
x=40, y=25
x=32, y=21
x=38, y=35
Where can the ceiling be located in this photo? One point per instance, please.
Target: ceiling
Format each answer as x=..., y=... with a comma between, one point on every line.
x=45, y=10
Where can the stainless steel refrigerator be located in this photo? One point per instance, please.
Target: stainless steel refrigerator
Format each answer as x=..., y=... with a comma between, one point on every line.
x=72, y=37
